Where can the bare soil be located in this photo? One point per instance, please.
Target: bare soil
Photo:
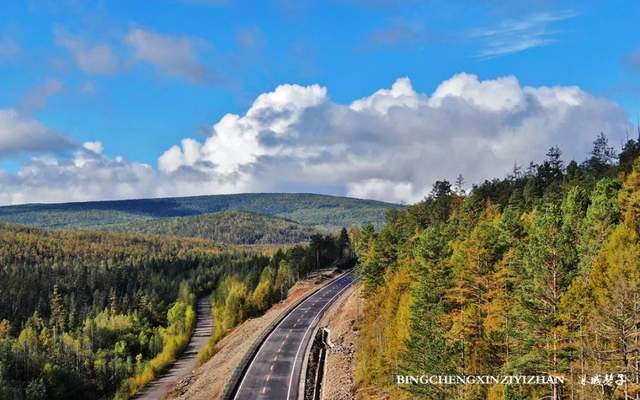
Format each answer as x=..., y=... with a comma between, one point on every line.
x=207, y=381
x=341, y=319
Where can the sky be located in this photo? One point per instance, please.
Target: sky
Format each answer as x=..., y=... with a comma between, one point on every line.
x=372, y=99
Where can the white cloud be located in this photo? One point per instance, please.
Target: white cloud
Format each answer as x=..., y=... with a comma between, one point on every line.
x=98, y=59
x=95, y=147
x=21, y=134
x=87, y=176
x=395, y=143
x=171, y=55
x=391, y=145
x=516, y=35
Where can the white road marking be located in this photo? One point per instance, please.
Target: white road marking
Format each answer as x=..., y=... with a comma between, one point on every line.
x=309, y=300
x=307, y=331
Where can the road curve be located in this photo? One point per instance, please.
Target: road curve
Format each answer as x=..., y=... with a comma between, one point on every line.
x=187, y=361
x=275, y=371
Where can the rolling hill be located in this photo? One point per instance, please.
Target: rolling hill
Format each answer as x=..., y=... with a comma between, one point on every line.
x=318, y=211
x=237, y=227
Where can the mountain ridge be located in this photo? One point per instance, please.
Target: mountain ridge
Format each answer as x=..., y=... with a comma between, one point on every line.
x=317, y=210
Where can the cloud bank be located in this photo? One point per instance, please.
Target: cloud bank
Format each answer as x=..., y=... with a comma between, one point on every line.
x=391, y=145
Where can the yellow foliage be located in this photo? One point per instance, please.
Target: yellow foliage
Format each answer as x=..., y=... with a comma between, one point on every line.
x=5, y=328
x=175, y=339
x=385, y=329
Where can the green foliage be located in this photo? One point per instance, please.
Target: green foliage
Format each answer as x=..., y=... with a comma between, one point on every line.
x=94, y=314
x=226, y=227
x=319, y=211
x=249, y=292
x=536, y=273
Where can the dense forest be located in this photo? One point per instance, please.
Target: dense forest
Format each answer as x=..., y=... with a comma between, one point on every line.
x=88, y=315
x=534, y=274
x=247, y=293
x=315, y=210
x=234, y=227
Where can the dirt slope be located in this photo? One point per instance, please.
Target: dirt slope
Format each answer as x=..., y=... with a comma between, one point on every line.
x=341, y=319
x=207, y=381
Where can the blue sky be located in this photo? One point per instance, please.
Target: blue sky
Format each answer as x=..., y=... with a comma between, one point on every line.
x=139, y=77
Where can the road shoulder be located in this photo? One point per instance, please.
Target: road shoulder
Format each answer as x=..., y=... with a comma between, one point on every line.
x=341, y=319
x=207, y=381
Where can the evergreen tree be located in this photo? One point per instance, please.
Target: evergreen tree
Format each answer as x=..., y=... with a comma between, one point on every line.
x=427, y=348
x=548, y=263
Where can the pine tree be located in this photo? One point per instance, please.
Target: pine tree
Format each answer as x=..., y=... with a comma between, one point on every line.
x=474, y=261
x=427, y=347
x=58, y=312
x=547, y=267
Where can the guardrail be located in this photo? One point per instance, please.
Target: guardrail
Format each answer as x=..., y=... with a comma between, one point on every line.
x=316, y=322
x=232, y=384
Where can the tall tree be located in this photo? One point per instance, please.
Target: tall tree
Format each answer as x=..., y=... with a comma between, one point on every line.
x=548, y=263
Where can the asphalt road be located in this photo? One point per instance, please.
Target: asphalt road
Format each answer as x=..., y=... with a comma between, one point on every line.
x=187, y=361
x=274, y=372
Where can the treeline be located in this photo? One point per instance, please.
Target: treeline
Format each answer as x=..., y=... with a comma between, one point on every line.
x=87, y=315
x=534, y=274
x=249, y=292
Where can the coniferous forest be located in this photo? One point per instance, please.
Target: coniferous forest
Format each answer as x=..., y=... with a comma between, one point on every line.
x=536, y=273
x=91, y=315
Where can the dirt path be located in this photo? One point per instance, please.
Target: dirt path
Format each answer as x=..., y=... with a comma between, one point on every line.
x=208, y=380
x=188, y=361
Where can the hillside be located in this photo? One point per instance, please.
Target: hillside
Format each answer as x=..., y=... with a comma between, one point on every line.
x=322, y=211
x=236, y=227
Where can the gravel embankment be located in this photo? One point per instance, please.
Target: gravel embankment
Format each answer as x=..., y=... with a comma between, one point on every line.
x=341, y=319
x=207, y=381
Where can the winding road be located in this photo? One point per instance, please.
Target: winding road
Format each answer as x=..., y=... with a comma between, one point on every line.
x=275, y=371
x=188, y=360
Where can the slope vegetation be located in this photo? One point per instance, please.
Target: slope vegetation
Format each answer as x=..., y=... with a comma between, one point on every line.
x=328, y=212
x=227, y=227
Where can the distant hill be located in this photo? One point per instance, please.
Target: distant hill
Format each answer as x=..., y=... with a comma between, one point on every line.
x=237, y=227
x=318, y=211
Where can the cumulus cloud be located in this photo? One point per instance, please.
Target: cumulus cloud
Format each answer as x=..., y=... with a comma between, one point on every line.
x=91, y=175
x=171, y=55
x=21, y=134
x=98, y=59
x=395, y=143
x=87, y=176
x=391, y=145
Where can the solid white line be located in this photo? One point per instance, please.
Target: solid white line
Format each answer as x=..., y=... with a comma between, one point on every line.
x=275, y=329
x=305, y=335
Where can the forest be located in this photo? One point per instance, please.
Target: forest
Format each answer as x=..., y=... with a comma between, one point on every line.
x=318, y=211
x=537, y=273
x=93, y=315
x=233, y=227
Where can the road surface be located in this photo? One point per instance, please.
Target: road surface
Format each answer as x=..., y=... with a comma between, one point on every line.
x=274, y=373
x=188, y=360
